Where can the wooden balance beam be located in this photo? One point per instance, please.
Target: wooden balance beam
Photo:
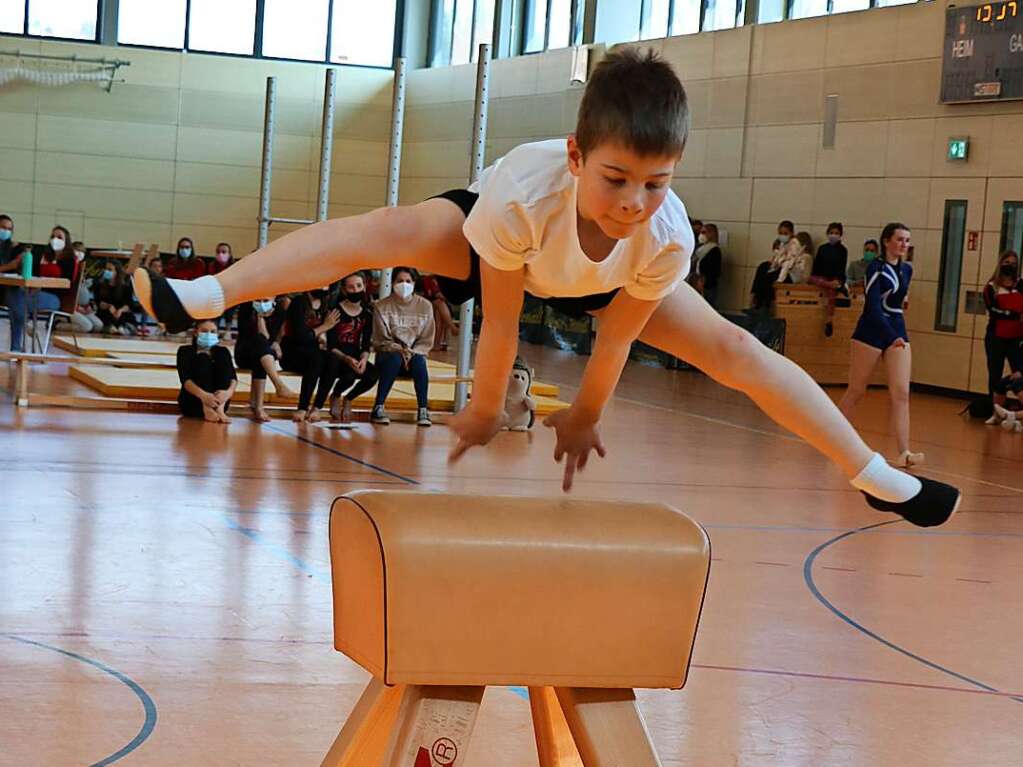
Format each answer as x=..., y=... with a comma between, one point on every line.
x=439, y=595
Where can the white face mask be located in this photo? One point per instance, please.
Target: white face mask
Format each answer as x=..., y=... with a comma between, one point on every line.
x=702, y=239
x=403, y=289
x=57, y=244
x=79, y=255
x=223, y=257
x=783, y=239
x=263, y=307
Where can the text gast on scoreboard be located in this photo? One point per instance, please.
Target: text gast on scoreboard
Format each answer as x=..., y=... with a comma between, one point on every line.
x=983, y=53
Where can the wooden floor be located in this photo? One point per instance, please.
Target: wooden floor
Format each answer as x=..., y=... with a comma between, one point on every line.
x=166, y=591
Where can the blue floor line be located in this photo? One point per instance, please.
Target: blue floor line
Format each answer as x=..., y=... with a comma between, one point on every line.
x=811, y=584
x=279, y=551
x=147, y=702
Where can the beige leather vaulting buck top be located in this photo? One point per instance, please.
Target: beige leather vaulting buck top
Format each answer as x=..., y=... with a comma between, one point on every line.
x=439, y=595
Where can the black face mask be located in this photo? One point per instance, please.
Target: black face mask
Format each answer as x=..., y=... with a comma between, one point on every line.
x=356, y=297
x=1008, y=270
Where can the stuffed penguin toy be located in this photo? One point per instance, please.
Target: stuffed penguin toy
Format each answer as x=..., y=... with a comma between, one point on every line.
x=519, y=407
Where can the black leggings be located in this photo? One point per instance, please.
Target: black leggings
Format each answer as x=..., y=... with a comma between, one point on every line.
x=249, y=352
x=999, y=350
x=763, y=286
x=337, y=373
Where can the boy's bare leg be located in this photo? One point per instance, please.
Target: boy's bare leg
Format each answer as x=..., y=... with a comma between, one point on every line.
x=427, y=236
x=685, y=326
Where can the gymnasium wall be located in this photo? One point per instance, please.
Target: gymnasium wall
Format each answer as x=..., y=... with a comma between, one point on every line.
x=176, y=149
x=755, y=154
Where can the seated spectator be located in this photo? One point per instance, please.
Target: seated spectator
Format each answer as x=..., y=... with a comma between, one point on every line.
x=309, y=316
x=443, y=322
x=113, y=298
x=797, y=260
x=184, y=265
x=260, y=324
x=403, y=333
x=346, y=365
x=85, y=319
x=828, y=271
x=19, y=302
x=208, y=379
x=707, y=263
x=762, y=291
x=856, y=273
x=1003, y=299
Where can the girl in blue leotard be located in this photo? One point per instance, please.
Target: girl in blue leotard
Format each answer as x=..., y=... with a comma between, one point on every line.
x=881, y=332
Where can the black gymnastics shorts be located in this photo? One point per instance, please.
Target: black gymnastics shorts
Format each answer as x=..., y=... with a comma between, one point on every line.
x=460, y=291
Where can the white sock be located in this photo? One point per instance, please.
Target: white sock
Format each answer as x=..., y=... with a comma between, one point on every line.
x=882, y=481
x=203, y=298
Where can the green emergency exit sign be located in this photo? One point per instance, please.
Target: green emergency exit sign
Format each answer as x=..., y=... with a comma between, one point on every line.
x=958, y=148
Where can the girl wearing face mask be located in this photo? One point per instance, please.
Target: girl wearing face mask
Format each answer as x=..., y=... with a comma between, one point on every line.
x=346, y=365
x=403, y=333
x=207, y=376
x=185, y=264
x=260, y=325
x=881, y=332
x=828, y=272
x=1004, y=301
x=309, y=317
x=707, y=263
x=84, y=319
x=113, y=300
x=762, y=290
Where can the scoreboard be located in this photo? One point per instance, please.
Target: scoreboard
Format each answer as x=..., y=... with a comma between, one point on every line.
x=983, y=53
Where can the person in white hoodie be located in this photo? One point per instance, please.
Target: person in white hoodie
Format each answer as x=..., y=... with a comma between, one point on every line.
x=403, y=329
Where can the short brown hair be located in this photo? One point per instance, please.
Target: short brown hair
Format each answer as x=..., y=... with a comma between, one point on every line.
x=636, y=99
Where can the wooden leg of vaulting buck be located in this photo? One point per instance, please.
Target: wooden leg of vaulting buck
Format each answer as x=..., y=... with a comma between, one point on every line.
x=21, y=384
x=607, y=727
x=434, y=726
x=367, y=731
x=554, y=743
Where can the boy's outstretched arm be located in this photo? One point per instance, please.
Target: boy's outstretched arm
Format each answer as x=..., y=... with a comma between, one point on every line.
x=619, y=325
x=499, y=342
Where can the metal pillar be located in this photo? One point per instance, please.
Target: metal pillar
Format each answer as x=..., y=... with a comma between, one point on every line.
x=269, y=124
x=394, y=159
x=326, y=144
x=476, y=155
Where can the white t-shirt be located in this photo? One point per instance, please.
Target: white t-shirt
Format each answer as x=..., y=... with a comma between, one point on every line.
x=526, y=217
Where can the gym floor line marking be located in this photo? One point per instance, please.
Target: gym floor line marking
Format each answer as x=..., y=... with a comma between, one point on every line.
x=340, y=454
x=148, y=725
x=812, y=586
x=793, y=438
x=857, y=680
x=279, y=551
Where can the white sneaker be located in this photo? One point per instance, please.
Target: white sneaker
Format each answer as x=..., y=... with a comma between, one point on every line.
x=994, y=420
x=1004, y=414
x=423, y=417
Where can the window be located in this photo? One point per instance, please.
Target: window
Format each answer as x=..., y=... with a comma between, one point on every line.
x=804, y=9
x=952, y=240
x=484, y=30
x=685, y=17
x=461, y=41
x=363, y=33
x=12, y=16
x=63, y=18
x=295, y=29
x=654, y=19
x=1012, y=227
x=222, y=26
x=143, y=22
x=844, y=6
x=720, y=14
x=889, y=3
x=551, y=24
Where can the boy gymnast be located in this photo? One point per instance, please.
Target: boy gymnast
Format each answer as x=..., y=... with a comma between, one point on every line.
x=591, y=226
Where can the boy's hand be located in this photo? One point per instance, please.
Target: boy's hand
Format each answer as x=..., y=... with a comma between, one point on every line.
x=474, y=427
x=576, y=437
